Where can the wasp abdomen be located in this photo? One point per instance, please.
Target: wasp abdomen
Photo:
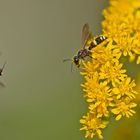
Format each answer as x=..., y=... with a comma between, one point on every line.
x=97, y=41
x=100, y=39
x=92, y=45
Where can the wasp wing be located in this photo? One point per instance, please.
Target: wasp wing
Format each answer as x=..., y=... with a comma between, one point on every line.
x=85, y=34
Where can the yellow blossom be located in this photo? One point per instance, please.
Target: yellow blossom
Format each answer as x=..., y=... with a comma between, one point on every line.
x=100, y=107
x=112, y=72
x=102, y=54
x=124, y=107
x=107, y=87
x=89, y=69
x=125, y=88
x=92, y=125
x=95, y=91
x=122, y=26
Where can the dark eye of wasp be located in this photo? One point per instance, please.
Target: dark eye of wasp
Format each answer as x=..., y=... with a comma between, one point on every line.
x=76, y=60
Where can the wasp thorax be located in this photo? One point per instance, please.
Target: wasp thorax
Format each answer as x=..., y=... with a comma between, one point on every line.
x=80, y=53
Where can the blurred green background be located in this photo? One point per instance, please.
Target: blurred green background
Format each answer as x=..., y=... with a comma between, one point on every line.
x=43, y=99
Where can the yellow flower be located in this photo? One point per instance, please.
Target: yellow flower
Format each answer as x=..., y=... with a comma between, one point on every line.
x=112, y=72
x=122, y=26
x=100, y=108
x=92, y=125
x=102, y=54
x=95, y=91
x=107, y=87
x=125, y=88
x=89, y=69
x=123, y=107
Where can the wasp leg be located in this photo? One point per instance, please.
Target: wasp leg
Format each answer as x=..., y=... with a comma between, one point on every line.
x=89, y=54
x=78, y=66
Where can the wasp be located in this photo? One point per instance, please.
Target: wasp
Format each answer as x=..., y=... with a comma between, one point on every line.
x=88, y=43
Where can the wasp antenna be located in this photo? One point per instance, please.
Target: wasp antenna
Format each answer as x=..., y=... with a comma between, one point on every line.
x=67, y=60
x=4, y=65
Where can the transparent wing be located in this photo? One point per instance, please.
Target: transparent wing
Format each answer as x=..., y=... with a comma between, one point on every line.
x=85, y=34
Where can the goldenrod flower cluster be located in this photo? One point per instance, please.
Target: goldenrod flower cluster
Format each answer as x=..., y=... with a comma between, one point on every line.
x=108, y=90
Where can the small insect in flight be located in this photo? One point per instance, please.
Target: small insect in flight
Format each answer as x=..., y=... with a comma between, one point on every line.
x=88, y=43
x=1, y=69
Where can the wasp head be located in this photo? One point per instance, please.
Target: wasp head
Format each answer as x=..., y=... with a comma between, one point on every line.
x=76, y=60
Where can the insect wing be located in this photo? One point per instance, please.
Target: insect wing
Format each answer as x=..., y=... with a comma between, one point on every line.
x=85, y=34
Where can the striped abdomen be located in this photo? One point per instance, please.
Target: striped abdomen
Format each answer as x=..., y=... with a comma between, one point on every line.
x=97, y=41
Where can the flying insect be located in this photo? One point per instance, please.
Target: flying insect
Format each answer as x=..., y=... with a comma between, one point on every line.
x=1, y=69
x=88, y=43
